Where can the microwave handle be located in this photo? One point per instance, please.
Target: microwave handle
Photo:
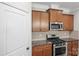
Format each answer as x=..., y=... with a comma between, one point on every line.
x=61, y=25
x=49, y=25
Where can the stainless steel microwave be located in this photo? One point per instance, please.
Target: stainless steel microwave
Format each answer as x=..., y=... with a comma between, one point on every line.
x=56, y=25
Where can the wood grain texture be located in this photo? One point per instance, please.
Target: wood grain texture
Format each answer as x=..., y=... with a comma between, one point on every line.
x=44, y=22
x=42, y=50
x=68, y=22
x=35, y=21
x=40, y=22
x=55, y=15
x=73, y=48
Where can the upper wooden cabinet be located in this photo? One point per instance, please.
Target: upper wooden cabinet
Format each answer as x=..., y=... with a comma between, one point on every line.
x=68, y=22
x=40, y=21
x=44, y=21
x=55, y=15
x=35, y=21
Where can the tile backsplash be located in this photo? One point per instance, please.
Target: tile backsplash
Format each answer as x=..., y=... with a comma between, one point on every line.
x=42, y=35
x=74, y=34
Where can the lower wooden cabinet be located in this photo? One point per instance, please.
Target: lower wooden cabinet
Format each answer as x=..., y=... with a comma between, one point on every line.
x=42, y=50
x=47, y=50
x=72, y=48
x=37, y=51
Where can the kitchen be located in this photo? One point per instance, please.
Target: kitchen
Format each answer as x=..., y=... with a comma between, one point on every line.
x=54, y=29
x=39, y=29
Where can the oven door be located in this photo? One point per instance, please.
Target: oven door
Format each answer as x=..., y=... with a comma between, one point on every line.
x=60, y=51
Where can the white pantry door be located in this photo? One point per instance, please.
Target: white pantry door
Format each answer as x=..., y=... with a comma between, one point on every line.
x=18, y=31
x=2, y=31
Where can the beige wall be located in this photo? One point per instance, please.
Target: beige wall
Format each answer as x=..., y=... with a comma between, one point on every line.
x=74, y=34
x=42, y=35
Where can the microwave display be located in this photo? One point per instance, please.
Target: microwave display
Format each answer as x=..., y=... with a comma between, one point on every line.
x=55, y=26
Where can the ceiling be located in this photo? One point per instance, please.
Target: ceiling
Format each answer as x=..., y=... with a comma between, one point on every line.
x=69, y=5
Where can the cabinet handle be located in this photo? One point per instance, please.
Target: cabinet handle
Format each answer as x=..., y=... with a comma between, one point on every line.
x=27, y=48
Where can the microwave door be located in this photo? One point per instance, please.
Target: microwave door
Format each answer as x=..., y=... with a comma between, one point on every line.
x=55, y=27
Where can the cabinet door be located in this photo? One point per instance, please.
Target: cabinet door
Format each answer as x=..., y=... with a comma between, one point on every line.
x=55, y=15
x=52, y=16
x=37, y=51
x=35, y=21
x=69, y=51
x=47, y=50
x=44, y=21
x=59, y=16
x=68, y=22
x=75, y=48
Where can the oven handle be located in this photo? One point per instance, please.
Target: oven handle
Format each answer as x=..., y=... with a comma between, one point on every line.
x=59, y=46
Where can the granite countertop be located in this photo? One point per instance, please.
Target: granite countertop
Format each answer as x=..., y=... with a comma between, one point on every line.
x=70, y=39
x=35, y=43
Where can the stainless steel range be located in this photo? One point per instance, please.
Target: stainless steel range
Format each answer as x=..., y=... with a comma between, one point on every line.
x=59, y=46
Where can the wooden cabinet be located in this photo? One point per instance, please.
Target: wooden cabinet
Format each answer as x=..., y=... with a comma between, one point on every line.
x=55, y=15
x=42, y=50
x=72, y=48
x=40, y=21
x=37, y=51
x=68, y=22
x=75, y=48
x=44, y=21
x=47, y=50
x=35, y=21
x=69, y=52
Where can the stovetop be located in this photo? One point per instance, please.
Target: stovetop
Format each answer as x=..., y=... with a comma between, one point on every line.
x=56, y=41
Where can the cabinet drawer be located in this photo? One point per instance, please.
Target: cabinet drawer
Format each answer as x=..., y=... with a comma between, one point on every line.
x=37, y=47
x=47, y=45
x=75, y=42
